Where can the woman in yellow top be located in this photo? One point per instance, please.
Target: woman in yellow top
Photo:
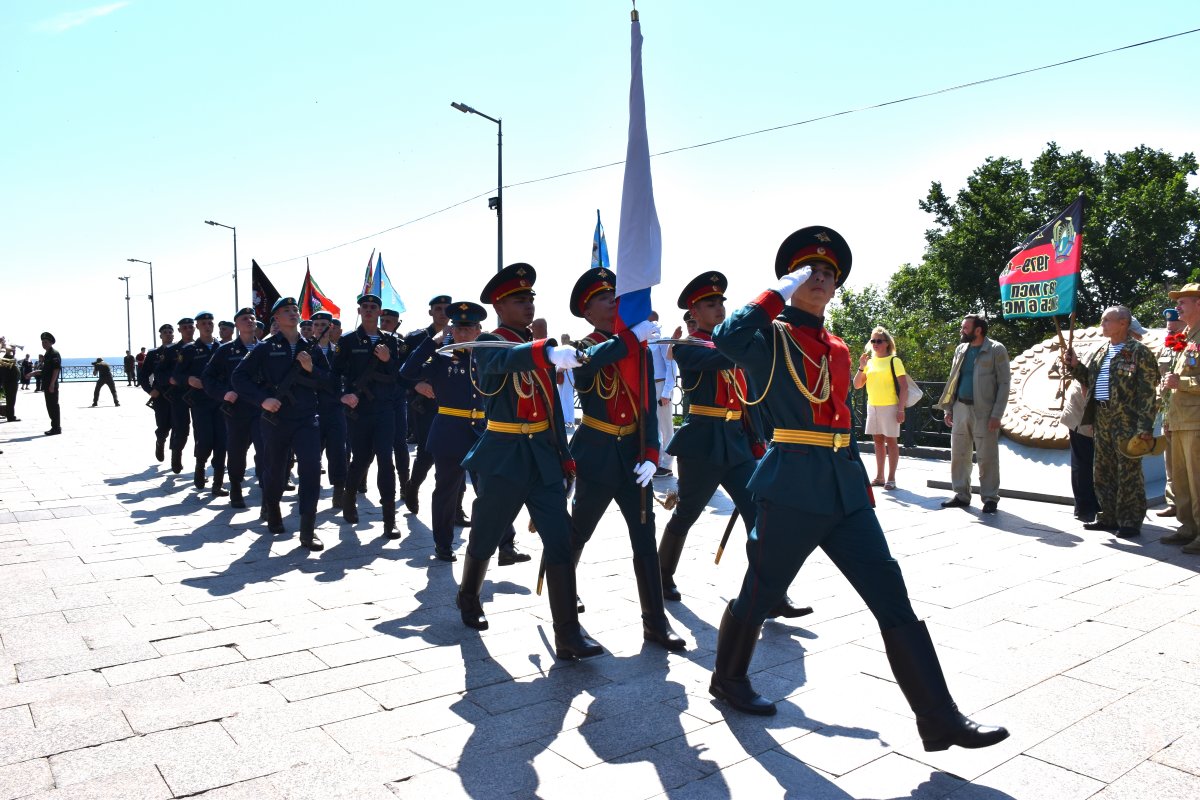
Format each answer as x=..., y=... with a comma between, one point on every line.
x=885, y=412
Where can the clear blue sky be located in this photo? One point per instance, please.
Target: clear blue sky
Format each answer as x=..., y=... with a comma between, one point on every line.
x=127, y=124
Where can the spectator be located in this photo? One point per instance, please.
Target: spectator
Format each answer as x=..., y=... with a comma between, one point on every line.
x=130, y=366
x=1176, y=342
x=1120, y=379
x=665, y=371
x=141, y=358
x=882, y=372
x=26, y=371
x=1083, y=451
x=566, y=389
x=49, y=371
x=973, y=402
x=1183, y=417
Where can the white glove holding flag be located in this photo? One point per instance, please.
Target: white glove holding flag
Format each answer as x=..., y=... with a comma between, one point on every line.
x=563, y=357
x=789, y=283
x=642, y=330
x=644, y=472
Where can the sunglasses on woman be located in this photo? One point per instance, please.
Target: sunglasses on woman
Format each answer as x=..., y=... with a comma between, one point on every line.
x=879, y=341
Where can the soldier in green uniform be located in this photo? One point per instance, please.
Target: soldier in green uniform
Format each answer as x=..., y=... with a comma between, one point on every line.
x=812, y=490
x=1122, y=381
x=718, y=444
x=522, y=458
x=615, y=460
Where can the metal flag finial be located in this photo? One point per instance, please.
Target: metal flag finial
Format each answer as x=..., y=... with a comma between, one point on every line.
x=633, y=15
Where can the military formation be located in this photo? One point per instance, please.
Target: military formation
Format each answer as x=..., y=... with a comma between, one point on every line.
x=766, y=418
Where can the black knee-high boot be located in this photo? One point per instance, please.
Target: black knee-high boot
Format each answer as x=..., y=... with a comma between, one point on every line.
x=655, y=627
x=570, y=641
x=468, y=601
x=219, y=479
x=735, y=648
x=308, y=534
x=669, y=550
x=919, y=674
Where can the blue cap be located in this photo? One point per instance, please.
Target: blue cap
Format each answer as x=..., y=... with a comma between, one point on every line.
x=370, y=298
x=1171, y=315
x=244, y=312
x=465, y=314
x=203, y=315
x=283, y=301
x=441, y=299
x=186, y=321
x=325, y=315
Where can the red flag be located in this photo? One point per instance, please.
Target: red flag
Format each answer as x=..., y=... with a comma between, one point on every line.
x=312, y=299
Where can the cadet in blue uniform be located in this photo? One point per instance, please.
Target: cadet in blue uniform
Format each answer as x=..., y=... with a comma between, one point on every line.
x=368, y=363
x=241, y=416
x=615, y=461
x=282, y=376
x=225, y=331
x=331, y=412
x=522, y=458
x=719, y=442
x=152, y=377
x=422, y=410
x=812, y=490
x=181, y=423
x=207, y=421
x=389, y=321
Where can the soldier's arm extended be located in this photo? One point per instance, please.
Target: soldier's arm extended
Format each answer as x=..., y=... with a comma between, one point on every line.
x=522, y=358
x=610, y=351
x=413, y=365
x=701, y=357
x=745, y=336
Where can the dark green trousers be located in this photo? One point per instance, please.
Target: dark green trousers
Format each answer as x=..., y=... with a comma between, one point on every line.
x=592, y=500
x=498, y=500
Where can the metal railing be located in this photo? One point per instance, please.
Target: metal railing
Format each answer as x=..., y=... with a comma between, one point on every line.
x=923, y=424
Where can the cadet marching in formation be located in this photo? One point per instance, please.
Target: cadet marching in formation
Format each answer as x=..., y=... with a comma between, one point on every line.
x=767, y=418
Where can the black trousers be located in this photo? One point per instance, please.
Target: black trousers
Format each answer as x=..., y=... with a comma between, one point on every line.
x=372, y=438
x=101, y=383
x=181, y=423
x=9, y=378
x=1083, y=485
x=592, y=500
x=287, y=436
x=209, y=423
x=240, y=433
x=333, y=441
x=499, y=499
x=52, y=407
x=162, y=417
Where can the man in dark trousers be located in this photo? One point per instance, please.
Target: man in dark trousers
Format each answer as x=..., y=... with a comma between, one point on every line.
x=522, y=458
x=10, y=377
x=422, y=410
x=719, y=443
x=614, y=459
x=330, y=411
x=812, y=490
x=240, y=416
x=282, y=376
x=181, y=422
x=207, y=420
x=130, y=366
x=50, y=372
x=104, y=377
x=368, y=364
x=152, y=377
x=389, y=321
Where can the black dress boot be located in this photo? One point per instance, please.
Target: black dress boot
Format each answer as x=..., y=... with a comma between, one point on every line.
x=160, y=449
x=350, y=505
x=655, y=627
x=275, y=518
x=338, y=495
x=218, y=489
x=735, y=648
x=785, y=609
x=468, y=602
x=919, y=674
x=576, y=554
x=308, y=536
x=570, y=641
x=410, y=492
x=669, y=550
x=235, y=495
x=177, y=461
x=198, y=479
x=388, y=507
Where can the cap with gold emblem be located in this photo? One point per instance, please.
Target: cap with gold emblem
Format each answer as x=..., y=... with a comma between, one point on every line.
x=814, y=244
x=390, y=312
x=708, y=284
x=244, y=312
x=439, y=300
x=282, y=302
x=513, y=279
x=319, y=315
x=591, y=283
x=465, y=314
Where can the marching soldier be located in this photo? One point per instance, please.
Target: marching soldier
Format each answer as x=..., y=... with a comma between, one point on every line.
x=240, y=416
x=330, y=411
x=153, y=380
x=522, y=458
x=180, y=413
x=615, y=460
x=422, y=410
x=718, y=443
x=207, y=420
x=389, y=321
x=812, y=490
x=282, y=375
x=225, y=331
x=368, y=364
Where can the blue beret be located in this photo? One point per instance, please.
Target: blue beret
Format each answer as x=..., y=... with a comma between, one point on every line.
x=439, y=300
x=369, y=298
x=186, y=321
x=283, y=301
x=204, y=315
x=322, y=315
x=1171, y=314
x=242, y=312
x=390, y=312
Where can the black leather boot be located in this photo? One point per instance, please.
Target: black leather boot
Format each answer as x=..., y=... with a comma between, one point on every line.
x=669, y=550
x=735, y=648
x=199, y=478
x=308, y=536
x=785, y=609
x=275, y=519
x=159, y=449
x=576, y=554
x=218, y=489
x=468, y=602
x=570, y=641
x=235, y=495
x=410, y=491
x=389, y=518
x=655, y=627
x=177, y=461
x=350, y=505
x=338, y=494
x=919, y=674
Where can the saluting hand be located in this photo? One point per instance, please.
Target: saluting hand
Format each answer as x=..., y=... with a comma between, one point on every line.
x=304, y=360
x=382, y=353
x=271, y=405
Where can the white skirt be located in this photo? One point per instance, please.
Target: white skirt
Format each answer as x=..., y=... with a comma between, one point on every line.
x=881, y=421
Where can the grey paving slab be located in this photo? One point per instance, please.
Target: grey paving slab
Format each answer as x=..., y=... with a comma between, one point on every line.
x=136, y=784
x=25, y=777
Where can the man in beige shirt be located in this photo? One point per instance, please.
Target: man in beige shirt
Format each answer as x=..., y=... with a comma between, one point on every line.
x=1183, y=419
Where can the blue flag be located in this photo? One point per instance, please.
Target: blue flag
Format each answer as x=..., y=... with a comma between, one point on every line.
x=599, y=246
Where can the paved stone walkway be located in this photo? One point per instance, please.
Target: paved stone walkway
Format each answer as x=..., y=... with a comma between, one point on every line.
x=156, y=644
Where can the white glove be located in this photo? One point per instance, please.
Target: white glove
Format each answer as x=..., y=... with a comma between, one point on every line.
x=642, y=330
x=789, y=283
x=563, y=357
x=644, y=472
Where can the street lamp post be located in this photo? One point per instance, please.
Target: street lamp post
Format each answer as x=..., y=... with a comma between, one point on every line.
x=496, y=202
x=153, y=317
x=235, y=278
x=128, y=324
